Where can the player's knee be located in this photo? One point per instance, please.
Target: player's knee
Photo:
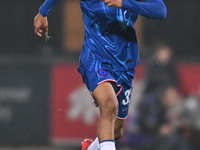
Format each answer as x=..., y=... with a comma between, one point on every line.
x=109, y=109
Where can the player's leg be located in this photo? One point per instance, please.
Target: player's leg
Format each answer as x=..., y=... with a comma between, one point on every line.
x=119, y=128
x=106, y=99
x=118, y=132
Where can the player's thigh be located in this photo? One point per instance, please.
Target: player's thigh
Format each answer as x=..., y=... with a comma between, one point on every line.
x=105, y=97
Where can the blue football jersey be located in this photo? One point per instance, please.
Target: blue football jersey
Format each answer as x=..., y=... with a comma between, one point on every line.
x=109, y=35
x=109, y=32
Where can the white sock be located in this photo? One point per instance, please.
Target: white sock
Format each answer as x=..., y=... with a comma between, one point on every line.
x=107, y=145
x=94, y=145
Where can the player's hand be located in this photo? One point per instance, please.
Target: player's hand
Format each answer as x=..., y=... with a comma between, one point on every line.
x=114, y=3
x=41, y=24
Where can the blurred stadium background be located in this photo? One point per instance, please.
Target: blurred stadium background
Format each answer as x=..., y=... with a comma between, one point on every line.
x=43, y=102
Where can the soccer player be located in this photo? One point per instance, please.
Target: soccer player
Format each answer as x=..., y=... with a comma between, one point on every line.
x=108, y=58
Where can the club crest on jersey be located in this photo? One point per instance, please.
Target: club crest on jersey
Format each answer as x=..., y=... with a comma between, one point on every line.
x=102, y=72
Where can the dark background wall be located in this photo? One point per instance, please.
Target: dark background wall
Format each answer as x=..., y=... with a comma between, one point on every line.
x=24, y=104
x=180, y=29
x=16, y=28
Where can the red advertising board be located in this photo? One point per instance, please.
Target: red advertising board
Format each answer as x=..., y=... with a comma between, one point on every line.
x=189, y=75
x=74, y=117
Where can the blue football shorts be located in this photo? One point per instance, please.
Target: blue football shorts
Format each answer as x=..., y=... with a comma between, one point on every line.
x=95, y=72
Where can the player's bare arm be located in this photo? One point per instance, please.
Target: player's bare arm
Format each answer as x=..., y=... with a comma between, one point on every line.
x=41, y=25
x=40, y=20
x=114, y=3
